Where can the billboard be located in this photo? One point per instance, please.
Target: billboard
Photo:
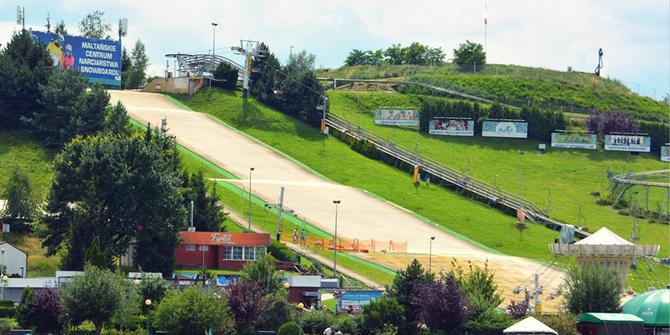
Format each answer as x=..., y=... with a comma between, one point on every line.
x=397, y=117
x=452, y=127
x=665, y=153
x=353, y=301
x=636, y=143
x=574, y=140
x=503, y=128
x=98, y=60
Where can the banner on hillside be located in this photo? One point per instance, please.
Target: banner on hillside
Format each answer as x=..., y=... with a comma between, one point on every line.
x=98, y=60
x=397, y=117
x=633, y=143
x=574, y=140
x=665, y=153
x=505, y=128
x=353, y=301
x=452, y=127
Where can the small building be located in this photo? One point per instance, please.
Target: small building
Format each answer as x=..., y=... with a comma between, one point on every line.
x=610, y=324
x=304, y=289
x=654, y=308
x=529, y=325
x=15, y=259
x=219, y=250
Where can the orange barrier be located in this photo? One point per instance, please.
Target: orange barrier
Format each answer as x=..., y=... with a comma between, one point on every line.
x=355, y=245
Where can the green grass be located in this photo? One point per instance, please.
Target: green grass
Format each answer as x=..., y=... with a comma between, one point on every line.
x=450, y=210
x=517, y=83
x=20, y=151
x=561, y=180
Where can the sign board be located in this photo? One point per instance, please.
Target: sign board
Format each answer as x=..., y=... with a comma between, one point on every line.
x=98, y=60
x=452, y=127
x=353, y=301
x=508, y=129
x=665, y=153
x=635, y=143
x=397, y=117
x=574, y=140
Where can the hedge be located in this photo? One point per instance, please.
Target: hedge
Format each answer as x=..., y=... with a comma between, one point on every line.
x=7, y=312
x=282, y=252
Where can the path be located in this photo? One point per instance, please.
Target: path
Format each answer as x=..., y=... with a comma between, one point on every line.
x=309, y=195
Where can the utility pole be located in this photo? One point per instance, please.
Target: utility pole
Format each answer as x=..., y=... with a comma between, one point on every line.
x=537, y=291
x=48, y=25
x=21, y=17
x=280, y=211
x=250, y=50
x=336, y=202
x=214, y=24
x=251, y=169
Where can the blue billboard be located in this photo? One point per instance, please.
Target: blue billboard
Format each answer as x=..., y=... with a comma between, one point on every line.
x=98, y=60
x=353, y=301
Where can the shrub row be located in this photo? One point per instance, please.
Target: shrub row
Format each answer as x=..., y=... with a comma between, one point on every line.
x=281, y=252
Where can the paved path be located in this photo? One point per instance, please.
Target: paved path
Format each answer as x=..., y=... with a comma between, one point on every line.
x=359, y=216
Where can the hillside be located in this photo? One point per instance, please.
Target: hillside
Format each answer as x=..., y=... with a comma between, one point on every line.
x=20, y=151
x=561, y=180
x=518, y=85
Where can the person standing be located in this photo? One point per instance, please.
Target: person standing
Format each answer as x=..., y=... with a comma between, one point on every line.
x=295, y=236
x=302, y=237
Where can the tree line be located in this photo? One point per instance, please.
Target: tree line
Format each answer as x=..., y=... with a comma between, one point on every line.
x=415, y=54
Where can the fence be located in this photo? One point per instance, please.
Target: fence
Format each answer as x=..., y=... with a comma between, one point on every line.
x=348, y=245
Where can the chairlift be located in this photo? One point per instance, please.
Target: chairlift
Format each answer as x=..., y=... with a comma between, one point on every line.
x=275, y=89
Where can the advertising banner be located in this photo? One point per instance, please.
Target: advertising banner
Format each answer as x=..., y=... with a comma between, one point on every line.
x=665, y=153
x=509, y=129
x=98, y=60
x=574, y=140
x=635, y=143
x=353, y=301
x=397, y=117
x=452, y=127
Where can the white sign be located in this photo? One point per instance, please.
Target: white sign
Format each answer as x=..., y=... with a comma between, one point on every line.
x=397, y=117
x=221, y=238
x=451, y=127
x=509, y=129
x=665, y=153
x=634, y=143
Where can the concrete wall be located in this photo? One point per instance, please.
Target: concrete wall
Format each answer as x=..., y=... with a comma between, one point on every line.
x=175, y=85
x=13, y=258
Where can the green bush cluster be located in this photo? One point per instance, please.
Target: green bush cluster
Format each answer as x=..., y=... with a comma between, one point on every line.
x=290, y=328
x=281, y=252
x=366, y=149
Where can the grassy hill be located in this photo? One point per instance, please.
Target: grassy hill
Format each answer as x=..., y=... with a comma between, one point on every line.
x=464, y=216
x=19, y=151
x=518, y=85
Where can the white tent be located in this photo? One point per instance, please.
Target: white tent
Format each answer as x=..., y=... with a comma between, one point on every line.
x=604, y=236
x=529, y=325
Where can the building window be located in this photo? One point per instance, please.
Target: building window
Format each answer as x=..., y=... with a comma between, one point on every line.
x=237, y=253
x=260, y=252
x=204, y=248
x=190, y=247
x=249, y=253
x=228, y=253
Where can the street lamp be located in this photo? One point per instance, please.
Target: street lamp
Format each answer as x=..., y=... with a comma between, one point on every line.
x=4, y=279
x=251, y=169
x=148, y=304
x=336, y=202
x=137, y=282
x=430, y=254
x=214, y=24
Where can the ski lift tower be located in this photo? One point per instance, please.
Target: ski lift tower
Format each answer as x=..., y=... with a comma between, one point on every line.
x=607, y=249
x=250, y=50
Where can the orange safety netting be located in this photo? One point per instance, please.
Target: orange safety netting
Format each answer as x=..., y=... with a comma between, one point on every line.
x=355, y=245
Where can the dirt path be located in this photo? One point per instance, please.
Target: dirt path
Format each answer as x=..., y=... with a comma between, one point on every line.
x=359, y=215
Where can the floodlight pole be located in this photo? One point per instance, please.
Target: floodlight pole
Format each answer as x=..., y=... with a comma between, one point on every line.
x=214, y=24
x=250, y=171
x=336, y=202
x=430, y=254
x=280, y=211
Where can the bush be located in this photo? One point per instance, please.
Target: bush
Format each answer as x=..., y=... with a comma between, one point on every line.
x=281, y=252
x=379, y=313
x=563, y=323
x=592, y=288
x=226, y=76
x=6, y=303
x=348, y=324
x=314, y=322
x=7, y=312
x=290, y=328
x=604, y=202
x=366, y=148
x=192, y=311
x=619, y=204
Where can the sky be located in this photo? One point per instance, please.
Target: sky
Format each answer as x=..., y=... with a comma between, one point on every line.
x=634, y=35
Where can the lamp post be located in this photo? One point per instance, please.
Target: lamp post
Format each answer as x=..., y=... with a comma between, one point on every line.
x=336, y=202
x=214, y=24
x=430, y=254
x=4, y=279
x=251, y=169
x=148, y=304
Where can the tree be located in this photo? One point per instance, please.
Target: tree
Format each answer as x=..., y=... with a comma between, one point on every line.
x=92, y=25
x=262, y=273
x=517, y=310
x=137, y=72
x=226, y=76
x=138, y=199
x=394, y=54
x=96, y=256
x=60, y=29
x=24, y=316
x=94, y=296
x=127, y=315
x=315, y=321
x=469, y=53
x=20, y=204
x=25, y=65
x=355, y=57
x=592, y=288
x=277, y=311
x=246, y=303
x=563, y=323
x=384, y=311
x=290, y=328
x=603, y=123
x=154, y=289
x=207, y=213
x=192, y=312
x=441, y=305
x=479, y=286
x=403, y=289
x=116, y=120
x=40, y=311
x=126, y=68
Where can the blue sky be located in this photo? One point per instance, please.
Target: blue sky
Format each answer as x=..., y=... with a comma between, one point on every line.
x=635, y=35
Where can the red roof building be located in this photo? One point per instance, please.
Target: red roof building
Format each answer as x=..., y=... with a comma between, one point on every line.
x=220, y=250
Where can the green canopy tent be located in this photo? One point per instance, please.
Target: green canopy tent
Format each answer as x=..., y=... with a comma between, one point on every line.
x=654, y=308
x=610, y=324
